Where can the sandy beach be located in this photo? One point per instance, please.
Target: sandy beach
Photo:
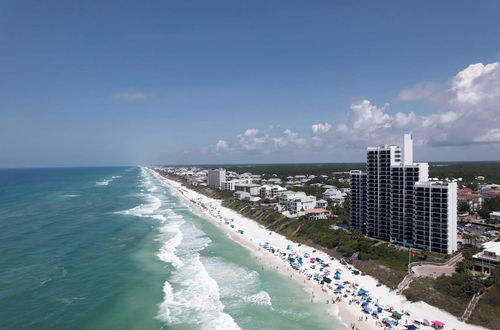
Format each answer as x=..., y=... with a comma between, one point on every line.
x=345, y=294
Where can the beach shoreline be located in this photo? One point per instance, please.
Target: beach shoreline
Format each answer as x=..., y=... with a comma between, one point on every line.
x=252, y=235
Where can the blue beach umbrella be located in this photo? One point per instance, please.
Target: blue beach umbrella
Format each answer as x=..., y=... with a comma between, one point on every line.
x=411, y=327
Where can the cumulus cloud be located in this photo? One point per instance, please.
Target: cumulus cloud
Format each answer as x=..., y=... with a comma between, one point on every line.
x=491, y=135
x=222, y=146
x=468, y=114
x=321, y=128
x=130, y=95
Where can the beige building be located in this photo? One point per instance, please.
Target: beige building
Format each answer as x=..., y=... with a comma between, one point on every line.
x=487, y=259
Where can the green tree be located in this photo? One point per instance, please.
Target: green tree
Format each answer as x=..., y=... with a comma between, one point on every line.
x=489, y=205
x=463, y=207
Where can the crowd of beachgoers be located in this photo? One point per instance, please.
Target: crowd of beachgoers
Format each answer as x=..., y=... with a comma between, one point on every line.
x=359, y=300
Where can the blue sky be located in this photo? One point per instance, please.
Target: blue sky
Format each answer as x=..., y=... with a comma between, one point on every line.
x=111, y=82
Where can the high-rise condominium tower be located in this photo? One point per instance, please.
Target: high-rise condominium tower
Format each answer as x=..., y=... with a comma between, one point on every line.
x=384, y=202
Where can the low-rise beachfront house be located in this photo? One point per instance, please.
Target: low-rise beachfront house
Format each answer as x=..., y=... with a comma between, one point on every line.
x=196, y=179
x=321, y=204
x=301, y=203
x=245, y=196
x=487, y=259
x=271, y=191
x=285, y=198
x=241, y=195
x=334, y=196
x=252, y=189
x=316, y=214
x=295, y=201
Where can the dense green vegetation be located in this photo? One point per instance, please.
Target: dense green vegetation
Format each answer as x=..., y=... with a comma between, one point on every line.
x=468, y=171
x=487, y=312
x=489, y=205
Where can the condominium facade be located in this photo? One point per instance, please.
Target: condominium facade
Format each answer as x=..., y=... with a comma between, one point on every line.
x=358, y=202
x=435, y=216
x=378, y=168
x=215, y=177
x=384, y=200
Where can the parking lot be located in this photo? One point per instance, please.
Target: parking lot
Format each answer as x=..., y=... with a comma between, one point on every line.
x=482, y=233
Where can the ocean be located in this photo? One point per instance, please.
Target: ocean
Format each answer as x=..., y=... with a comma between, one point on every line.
x=111, y=248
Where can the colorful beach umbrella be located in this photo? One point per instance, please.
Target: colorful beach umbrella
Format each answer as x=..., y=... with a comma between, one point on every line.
x=438, y=323
x=411, y=327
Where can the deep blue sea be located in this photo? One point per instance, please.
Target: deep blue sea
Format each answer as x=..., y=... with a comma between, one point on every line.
x=111, y=248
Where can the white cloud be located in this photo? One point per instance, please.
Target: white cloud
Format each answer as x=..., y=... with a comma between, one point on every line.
x=468, y=114
x=221, y=146
x=321, y=128
x=492, y=135
x=477, y=82
x=131, y=95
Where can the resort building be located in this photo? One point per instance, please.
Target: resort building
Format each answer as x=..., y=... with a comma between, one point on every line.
x=487, y=259
x=231, y=185
x=252, y=189
x=388, y=201
x=215, y=177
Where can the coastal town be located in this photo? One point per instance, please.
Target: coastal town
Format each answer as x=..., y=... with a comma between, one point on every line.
x=419, y=230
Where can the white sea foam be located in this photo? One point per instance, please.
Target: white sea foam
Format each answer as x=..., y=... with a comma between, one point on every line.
x=195, y=297
x=190, y=295
x=106, y=182
x=102, y=183
x=148, y=209
x=239, y=284
x=168, y=249
x=260, y=298
x=164, y=311
x=195, y=300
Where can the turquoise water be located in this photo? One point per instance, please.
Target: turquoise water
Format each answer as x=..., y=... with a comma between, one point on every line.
x=110, y=248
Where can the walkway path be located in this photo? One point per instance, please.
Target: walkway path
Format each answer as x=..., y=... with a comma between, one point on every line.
x=472, y=305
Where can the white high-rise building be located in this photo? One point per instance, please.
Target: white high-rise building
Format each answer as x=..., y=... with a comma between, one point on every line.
x=383, y=200
x=215, y=177
x=435, y=216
